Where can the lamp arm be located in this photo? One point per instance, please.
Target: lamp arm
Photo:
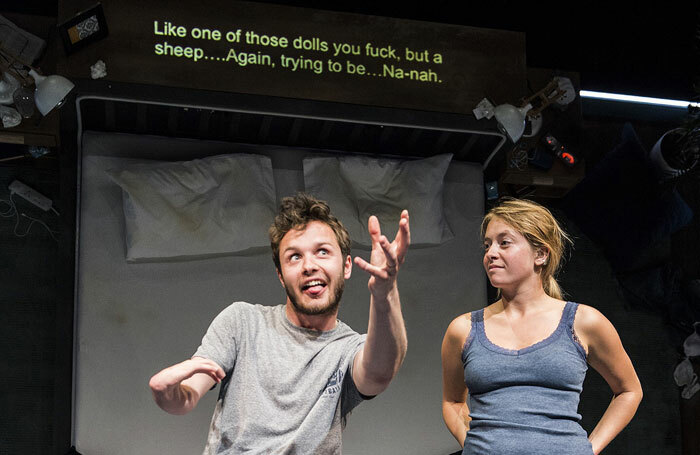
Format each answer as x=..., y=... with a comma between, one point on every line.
x=25, y=80
x=7, y=64
x=13, y=58
x=546, y=96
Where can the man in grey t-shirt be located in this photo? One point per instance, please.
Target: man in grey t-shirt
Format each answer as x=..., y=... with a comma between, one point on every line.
x=290, y=374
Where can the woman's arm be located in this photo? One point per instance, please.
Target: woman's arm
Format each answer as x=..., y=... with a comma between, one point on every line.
x=607, y=356
x=454, y=392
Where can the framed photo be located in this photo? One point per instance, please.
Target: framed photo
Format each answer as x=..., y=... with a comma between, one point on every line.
x=83, y=28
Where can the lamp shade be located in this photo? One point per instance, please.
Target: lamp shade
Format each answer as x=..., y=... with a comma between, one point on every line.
x=50, y=91
x=511, y=119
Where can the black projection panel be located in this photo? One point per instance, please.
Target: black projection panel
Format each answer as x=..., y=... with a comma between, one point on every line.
x=275, y=50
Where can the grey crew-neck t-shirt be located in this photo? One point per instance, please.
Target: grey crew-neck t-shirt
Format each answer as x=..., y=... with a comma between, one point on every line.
x=286, y=388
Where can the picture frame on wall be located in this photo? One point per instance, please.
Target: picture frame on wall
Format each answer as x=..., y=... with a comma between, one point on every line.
x=84, y=28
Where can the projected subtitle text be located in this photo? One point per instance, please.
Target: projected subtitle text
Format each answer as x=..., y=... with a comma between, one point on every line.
x=246, y=49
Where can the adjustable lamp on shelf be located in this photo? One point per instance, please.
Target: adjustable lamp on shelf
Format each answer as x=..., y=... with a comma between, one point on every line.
x=16, y=84
x=513, y=120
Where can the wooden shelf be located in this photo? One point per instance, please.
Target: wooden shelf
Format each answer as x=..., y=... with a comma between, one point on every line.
x=555, y=182
x=36, y=130
x=533, y=182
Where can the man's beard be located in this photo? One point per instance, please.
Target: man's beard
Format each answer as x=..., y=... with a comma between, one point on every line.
x=331, y=307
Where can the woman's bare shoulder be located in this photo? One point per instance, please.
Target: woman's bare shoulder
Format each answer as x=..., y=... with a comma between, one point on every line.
x=458, y=330
x=589, y=318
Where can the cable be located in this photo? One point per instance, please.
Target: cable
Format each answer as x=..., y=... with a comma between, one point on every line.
x=34, y=220
x=518, y=158
x=12, y=212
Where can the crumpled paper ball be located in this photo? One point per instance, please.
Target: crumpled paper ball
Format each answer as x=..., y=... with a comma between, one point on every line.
x=683, y=374
x=10, y=117
x=685, y=377
x=691, y=345
x=8, y=85
x=98, y=70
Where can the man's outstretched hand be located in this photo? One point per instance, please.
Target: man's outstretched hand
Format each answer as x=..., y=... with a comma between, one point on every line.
x=386, y=258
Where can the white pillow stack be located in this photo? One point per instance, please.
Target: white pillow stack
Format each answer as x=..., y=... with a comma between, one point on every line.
x=356, y=187
x=192, y=209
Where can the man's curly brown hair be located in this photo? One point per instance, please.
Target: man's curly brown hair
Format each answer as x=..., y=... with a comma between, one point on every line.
x=296, y=212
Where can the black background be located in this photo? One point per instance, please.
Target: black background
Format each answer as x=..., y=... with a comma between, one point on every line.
x=641, y=49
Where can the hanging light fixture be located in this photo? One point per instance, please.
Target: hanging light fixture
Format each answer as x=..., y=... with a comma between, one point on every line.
x=49, y=91
x=512, y=120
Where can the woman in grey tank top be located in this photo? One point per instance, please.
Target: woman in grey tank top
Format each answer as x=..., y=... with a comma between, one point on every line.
x=513, y=371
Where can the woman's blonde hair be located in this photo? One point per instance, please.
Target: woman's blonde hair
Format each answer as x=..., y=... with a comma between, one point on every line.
x=540, y=229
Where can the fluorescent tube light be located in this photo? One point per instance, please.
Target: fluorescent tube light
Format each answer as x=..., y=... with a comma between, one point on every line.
x=636, y=99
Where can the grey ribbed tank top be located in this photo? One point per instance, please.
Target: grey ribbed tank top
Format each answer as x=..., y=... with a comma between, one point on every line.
x=525, y=401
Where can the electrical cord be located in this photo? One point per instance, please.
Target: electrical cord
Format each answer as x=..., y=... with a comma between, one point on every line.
x=12, y=212
x=518, y=158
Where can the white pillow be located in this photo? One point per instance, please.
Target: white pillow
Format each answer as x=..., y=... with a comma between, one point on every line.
x=212, y=206
x=357, y=187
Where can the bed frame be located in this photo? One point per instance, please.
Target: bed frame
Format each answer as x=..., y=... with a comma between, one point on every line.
x=256, y=119
x=335, y=127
